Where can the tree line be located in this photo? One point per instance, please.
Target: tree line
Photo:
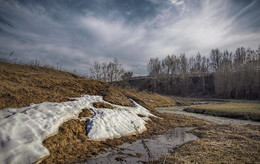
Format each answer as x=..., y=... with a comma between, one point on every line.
x=225, y=74
x=108, y=72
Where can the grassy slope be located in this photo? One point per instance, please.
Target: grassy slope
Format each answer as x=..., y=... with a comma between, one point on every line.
x=21, y=85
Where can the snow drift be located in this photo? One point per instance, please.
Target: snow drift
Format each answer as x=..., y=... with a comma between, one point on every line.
x=22, y=130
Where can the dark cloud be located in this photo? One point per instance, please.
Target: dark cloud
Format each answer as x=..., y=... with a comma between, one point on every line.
x=75, y=33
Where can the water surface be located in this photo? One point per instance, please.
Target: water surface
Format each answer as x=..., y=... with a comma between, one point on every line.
x=216, y=119
x=146, y=149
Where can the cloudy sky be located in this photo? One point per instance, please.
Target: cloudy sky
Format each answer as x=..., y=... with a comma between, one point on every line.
x=75, y=33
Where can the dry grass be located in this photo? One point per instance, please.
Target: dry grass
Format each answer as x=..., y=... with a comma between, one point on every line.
x=116, y=96
x=20, y=84
x=220, y=144
x=85, y=113
x=233, y=107
x=102, y=105
x=234, y=110
x=149, y=100
x=72, y=145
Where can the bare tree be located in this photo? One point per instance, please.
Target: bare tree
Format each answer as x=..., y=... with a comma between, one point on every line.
x=183, y=63
x=154, y=67
x=107, y=72
x=96, y=71
x=215, y=58
x=231, y=75
x=127, y=75
x=198, y=63
x=192, y=62
x=167, y=64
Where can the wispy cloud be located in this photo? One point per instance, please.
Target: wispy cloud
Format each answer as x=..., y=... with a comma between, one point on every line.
x=60, y=33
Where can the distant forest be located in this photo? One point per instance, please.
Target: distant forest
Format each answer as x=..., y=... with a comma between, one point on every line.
x=222, y=74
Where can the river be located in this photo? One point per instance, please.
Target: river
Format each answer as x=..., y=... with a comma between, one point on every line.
x=220, y=120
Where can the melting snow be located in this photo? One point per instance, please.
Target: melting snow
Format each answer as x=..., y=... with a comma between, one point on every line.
x=22, y=130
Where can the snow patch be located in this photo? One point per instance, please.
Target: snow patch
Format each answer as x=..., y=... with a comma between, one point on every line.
x=22, y=130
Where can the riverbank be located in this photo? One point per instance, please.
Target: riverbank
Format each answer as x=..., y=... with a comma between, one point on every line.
x=227, y=141
x=219, y=144
x=239, y=110
x=71, y=144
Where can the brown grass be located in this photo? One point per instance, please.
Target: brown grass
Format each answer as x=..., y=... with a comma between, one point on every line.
x=250, y=111
x=220, y=144
x=102, y=105
x=252, y=107
x=85, y=113
x=116, y=96
x=21, y=85
x=149, y=100
x=71, y=144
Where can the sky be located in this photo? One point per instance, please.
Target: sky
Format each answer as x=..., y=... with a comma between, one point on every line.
x=75, y=33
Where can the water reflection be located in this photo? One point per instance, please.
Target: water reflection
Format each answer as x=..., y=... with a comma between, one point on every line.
x=137, y=152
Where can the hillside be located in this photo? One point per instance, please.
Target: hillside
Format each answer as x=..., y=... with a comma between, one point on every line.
x=22, y=85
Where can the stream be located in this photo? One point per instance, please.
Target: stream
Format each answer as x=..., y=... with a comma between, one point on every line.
x=220, y=120
x=145, y=149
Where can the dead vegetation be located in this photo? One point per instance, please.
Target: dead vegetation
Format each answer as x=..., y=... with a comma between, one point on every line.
x=220, y=144
x=85, y=113
x=20, y=84
x=102, y=105
x=239, y=110
x=72, y=145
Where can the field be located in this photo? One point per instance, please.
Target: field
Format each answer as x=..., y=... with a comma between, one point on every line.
x=22, y=85
x=241, y=110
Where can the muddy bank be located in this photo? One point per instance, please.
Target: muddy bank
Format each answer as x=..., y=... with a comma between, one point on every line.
x=236, y=115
